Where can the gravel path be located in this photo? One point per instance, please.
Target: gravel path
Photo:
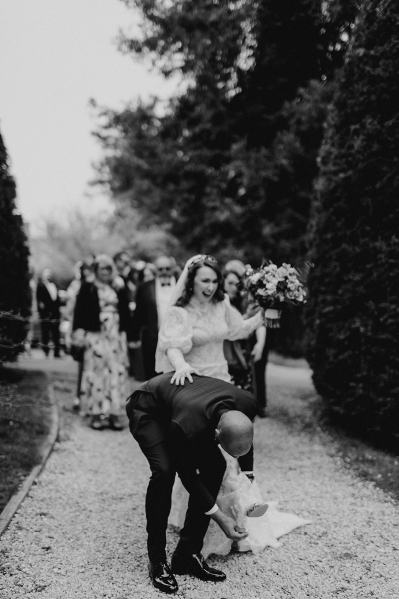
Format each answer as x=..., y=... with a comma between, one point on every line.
x=81, y=531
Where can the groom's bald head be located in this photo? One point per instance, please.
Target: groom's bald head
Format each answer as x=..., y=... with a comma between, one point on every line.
x=235, y=433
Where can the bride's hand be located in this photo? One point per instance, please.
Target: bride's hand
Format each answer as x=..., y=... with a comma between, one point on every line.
x=252, y=309
x=182, y=373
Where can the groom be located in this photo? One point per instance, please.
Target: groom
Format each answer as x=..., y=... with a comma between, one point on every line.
x=178, y=429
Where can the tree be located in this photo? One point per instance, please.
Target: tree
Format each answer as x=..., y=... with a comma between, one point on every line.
x=353, y=316
x=15, y=297
x=61, y=246
x=194, y=167
x=287, y=54
x=229, y=167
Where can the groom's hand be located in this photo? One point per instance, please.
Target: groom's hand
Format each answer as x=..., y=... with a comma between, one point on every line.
x=229, y=526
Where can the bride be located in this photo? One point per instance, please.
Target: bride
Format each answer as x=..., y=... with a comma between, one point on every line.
x=190, y=341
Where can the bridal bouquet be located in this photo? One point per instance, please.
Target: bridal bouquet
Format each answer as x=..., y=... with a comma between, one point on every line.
x=273, y=286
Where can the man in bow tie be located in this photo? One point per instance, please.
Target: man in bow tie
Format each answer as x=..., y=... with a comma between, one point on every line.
x=152, y=301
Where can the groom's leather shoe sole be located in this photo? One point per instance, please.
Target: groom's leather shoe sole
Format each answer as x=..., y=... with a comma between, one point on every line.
x=195, y=565
x=162, y=577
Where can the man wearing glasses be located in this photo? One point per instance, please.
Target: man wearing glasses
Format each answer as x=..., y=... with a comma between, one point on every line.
x=152, y=301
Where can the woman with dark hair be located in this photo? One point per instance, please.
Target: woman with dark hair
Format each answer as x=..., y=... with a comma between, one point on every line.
x=101, y=319
x=199, y=320
x=236, y=352
x=244, y=355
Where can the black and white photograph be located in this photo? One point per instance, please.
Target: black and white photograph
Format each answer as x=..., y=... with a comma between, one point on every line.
x=199, y=299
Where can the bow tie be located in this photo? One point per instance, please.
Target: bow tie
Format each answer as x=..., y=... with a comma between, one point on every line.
x=165, y=285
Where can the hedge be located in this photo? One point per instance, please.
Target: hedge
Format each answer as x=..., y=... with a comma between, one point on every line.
x=15, y=296
x=353, y=313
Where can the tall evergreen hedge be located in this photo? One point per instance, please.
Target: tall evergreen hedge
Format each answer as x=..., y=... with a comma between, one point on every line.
x=15, y=296
x=353, y=314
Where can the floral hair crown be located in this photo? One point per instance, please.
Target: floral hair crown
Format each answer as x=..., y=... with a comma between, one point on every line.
x=201, y=259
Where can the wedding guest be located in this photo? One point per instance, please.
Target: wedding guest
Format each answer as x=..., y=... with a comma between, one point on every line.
x=84, y=273
x=48, y=305
x=233, y=288
x=243, y=355
x=150, y=272
x=122, y=265
x=237, y=351
x=152, y=301
x=101, y=319
x=247, y=358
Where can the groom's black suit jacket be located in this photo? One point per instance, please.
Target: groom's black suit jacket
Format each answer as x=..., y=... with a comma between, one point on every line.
x=184, y=418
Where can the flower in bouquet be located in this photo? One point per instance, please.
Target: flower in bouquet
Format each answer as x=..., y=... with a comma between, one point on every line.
x=274, y=286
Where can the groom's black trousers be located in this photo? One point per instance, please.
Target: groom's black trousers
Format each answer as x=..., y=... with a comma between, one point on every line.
x=158, y=499
x=163, y=463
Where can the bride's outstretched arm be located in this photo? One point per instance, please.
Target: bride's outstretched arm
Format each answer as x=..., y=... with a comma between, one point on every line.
x=240, y=327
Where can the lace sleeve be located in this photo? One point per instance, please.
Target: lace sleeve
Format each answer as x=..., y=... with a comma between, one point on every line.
x=238, y=326
x=176, y=333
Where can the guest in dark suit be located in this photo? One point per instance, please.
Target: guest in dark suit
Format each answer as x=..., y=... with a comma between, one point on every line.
x=152, y=300
x=178, y=429
x=48, y=305
x=122, y=264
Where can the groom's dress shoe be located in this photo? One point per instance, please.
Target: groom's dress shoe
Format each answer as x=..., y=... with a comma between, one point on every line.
x=162, y=578
x=195, y=565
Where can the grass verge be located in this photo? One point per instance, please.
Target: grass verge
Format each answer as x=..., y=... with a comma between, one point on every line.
x=25, y=419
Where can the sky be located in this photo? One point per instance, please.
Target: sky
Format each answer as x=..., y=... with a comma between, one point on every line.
x=54, y=56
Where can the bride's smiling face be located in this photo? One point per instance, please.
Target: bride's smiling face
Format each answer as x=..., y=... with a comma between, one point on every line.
x=205, y=284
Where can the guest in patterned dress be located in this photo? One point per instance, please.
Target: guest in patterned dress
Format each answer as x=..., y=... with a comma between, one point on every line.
x=101, y=318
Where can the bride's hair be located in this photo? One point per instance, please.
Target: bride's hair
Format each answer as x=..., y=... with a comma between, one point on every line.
x=195, y=265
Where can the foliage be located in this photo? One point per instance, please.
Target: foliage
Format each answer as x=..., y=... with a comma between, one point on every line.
x=197, y=168
x=203, y=40
x=60, y=245
x=14, y=273
x=353, y=316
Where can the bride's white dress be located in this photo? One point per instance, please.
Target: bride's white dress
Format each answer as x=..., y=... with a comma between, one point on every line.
x=236, y=495
x=199, y=330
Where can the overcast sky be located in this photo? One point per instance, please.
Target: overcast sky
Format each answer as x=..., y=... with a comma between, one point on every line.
x=54, y=56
